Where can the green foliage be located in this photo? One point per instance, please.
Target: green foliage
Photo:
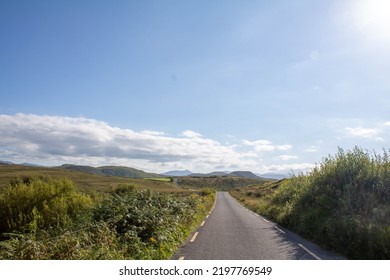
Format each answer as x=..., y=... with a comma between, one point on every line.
x=45, y=218
x=221, y=183
x=207, y=192
x=40, y=203
x=151, y=225
x=95, y=241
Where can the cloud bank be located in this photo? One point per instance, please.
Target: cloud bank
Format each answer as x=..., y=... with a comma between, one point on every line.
x=57, y=140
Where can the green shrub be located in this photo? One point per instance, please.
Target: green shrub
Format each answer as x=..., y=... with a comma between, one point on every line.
x=343, y=204
x=151, y=224
x=43, y=218
x=40, y=203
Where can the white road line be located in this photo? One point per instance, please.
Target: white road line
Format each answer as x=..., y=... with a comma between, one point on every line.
x=207, y=216
x=310, y=252
x=181, y=258
x=202, y=224
x=265, y=220
x=194, y=237
x=280, y=230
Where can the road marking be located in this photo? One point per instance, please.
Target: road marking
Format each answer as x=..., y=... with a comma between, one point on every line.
x=207, y=216
x=202, y=224
x=181, y=258
x=266, y=220
x=194, y=237
x=280, y=230
x=310, y=252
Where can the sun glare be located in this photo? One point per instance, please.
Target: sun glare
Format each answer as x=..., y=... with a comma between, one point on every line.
x=373, y=18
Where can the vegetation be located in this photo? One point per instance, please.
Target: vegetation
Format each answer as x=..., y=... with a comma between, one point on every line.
x=343, y=204
x=221, y=183
x=120, y=171
x=49, y=218
x=86, y=182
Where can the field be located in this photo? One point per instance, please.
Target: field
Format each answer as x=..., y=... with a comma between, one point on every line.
x=84, y=181
x=221, y=183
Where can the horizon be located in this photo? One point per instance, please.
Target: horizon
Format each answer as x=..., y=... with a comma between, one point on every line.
x=268, y=87
x=148, y=171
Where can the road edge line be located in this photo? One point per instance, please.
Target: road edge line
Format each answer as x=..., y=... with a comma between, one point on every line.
x=308, y=251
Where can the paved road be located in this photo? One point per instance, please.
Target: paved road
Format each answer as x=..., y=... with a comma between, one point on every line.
x=232, y=232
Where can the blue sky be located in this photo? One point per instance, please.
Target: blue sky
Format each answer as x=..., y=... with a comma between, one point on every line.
x=266, y=86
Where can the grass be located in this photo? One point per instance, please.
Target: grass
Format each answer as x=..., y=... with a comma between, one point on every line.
x=84, y=181
x=343, y=204
x=44, y=217
x=220, y=183
x=163, y=179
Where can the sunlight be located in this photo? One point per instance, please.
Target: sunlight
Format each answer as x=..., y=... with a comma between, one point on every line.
x=373, y=18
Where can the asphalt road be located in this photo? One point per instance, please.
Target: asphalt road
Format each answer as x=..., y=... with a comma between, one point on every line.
x=231, y=232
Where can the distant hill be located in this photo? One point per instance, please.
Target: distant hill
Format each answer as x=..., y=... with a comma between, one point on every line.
x=244, y=174
x=82, y=168
x=123, y=171
x=177, y=173
x=4, y=162
x=118, y=171
x=30, y=164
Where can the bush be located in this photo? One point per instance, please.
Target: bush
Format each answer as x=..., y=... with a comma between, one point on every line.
x=40, y=203
x=43, y=218
x=151, y=225
x=343, y=204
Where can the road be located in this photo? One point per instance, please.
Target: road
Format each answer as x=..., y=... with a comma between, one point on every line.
x=231, y=232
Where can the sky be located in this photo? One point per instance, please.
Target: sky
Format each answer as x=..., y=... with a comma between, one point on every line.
x=265, y=86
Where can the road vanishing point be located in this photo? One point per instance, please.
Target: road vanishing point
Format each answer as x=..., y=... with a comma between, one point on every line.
x=232, y=232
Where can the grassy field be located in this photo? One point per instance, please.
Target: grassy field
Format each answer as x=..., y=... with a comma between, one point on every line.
x=163, y=179
x=84, y=181
x=221, y=183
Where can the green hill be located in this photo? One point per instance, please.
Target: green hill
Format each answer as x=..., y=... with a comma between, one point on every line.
x=244, y=174
x=83, y=180
x=117, y=171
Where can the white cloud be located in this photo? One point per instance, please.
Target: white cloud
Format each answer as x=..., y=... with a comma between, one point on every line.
x=387, y=123
x=286, y=157
x=88, y=141
x=287, y=168
x=266, y=146
x=191, y=134
x=150, y=132
x=369, y=133
x=55, y=140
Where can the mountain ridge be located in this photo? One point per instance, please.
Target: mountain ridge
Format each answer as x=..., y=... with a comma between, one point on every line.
x=118, y=171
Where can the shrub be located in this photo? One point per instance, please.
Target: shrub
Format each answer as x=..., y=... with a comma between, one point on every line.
x=44, y=218
x=343, y=204
x=151, y=225
x=40, y=203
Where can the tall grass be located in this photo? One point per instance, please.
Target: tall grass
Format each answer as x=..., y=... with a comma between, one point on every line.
x=40, y=203
x=343, y=204
x=45, y=218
